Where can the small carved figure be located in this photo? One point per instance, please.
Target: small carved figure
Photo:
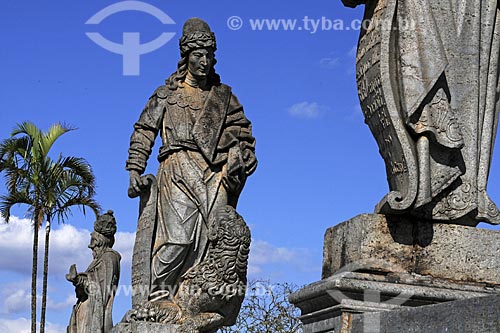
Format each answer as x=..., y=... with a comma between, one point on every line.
x=211, y=292
x=95, y=288
x=207, y=153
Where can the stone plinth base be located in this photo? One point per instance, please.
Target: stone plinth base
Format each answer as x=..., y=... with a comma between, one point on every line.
x=372, y=264
x=473, y=315
x=331, y=302
x=145, y=327
x=376, y=242
x=465, y=316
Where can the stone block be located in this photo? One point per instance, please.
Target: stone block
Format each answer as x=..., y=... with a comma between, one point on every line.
x=392, y=265
x=326, y=303
x=476, y=315
x=377, y=243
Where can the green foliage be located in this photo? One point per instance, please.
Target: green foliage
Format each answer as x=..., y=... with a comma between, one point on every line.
x=266, y=309
x=49, y=187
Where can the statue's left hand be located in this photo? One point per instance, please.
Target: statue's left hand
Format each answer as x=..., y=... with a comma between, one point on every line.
x=235, y=170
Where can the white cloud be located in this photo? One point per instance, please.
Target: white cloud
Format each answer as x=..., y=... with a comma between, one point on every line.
x=23, y=325
x=329, y=62
x=307, y=110
x=16, y=301
x=68, y=245
x=263, y=253
x=15, y=298
x=124, y=244
x=69, y=301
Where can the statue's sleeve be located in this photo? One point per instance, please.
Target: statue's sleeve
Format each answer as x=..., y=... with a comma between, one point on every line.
x=145, y=131
x=238, y=129
x=106, y=274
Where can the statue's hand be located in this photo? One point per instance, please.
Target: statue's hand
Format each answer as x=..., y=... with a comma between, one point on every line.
x=137, y=185
x=71, y=276
x=234, y=177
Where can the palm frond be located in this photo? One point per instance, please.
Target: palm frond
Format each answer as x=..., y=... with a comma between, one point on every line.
x=27, y=128
x=12, y=199
x=63, y=211
x=31, y=133
x=14, y=145
x=80, y=167
x=48, y=138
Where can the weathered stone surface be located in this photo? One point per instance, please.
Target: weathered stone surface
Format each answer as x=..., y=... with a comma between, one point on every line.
x=373, y=263
x=145, y=327
x=96, y=287
x=369, y=239
x=427, y=74
x=188, y=219
x=476, y=315
x=141, y=259
x=327, y=304
x=374, y=242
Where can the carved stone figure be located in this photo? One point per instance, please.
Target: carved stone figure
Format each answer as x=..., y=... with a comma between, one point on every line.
x=428, y=82
x=207, y=153
x=211, y=292
x=95, y=288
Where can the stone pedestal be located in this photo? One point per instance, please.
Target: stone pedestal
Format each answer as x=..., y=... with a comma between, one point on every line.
x=145, y=327
x=373, y=263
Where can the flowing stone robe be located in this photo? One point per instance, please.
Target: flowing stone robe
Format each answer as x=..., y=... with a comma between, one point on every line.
x=95, y=290
x=207, y=152
x=428, y=78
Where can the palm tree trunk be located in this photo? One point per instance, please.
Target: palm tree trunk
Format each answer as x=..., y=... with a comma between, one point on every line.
x=34, y=275
x=45, y=275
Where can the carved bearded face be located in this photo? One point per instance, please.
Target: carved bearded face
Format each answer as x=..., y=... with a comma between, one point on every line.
x=200, y=61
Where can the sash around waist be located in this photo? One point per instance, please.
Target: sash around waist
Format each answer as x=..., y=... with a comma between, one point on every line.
x=167, y=150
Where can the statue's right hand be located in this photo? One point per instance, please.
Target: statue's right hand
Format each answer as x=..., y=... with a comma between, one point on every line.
x=136, y=185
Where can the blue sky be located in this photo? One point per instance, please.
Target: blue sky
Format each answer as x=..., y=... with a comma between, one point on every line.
x=318, y=163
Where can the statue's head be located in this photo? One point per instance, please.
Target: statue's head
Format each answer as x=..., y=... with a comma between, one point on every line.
x=104, y=231
x=197, y=47
x=196, y=34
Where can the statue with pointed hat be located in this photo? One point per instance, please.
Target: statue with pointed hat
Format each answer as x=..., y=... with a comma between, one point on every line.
x=95, y=288
x=206, y=155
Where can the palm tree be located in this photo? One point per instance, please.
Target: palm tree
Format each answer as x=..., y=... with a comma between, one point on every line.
x=49, y=187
